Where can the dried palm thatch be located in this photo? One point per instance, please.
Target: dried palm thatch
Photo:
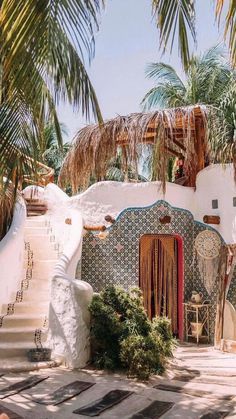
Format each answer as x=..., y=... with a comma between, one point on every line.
x=172, y=132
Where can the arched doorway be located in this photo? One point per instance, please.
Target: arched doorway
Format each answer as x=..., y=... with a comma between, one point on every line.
x=161, y=277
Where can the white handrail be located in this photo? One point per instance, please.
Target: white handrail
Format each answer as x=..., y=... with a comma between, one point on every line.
x=69, y=318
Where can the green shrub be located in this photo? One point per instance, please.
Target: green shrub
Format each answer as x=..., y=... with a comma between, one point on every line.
x=161, y=328
x=141, y=357
x=105, y=334
x=123, y=337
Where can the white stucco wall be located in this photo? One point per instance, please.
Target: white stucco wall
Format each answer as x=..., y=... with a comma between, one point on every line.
x=111, y=198
x=217, y=182
x=214, y=182
x=55, y=197
x=12, y=255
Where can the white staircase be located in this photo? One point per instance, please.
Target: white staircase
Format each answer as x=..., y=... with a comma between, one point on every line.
x=29, y=307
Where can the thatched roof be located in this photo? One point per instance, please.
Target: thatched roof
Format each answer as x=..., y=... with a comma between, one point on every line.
x=172, y=132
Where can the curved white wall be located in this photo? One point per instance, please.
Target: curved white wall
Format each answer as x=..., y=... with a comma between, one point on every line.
x=12, y=255
x=111, y=198
x=214, y=182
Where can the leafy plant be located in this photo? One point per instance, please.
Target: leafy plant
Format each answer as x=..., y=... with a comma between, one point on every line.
x=176, y=19
x=123, y=337
x=162, y=331
x=210, y=80
x=141, y=356
x=43, y=49
x=207, y=79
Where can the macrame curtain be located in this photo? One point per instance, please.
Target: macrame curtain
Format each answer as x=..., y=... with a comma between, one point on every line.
x=158, y=277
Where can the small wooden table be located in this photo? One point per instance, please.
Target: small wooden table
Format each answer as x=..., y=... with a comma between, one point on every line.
x=199, y=314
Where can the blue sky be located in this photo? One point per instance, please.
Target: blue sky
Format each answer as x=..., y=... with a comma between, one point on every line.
x=126, y=42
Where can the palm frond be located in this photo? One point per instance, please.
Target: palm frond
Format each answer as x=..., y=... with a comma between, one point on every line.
x=21, y=121
x=176, y=16
x=42, y=45
x=50, y=35
x=223, y=140
x=230, y=25
x=164, y=95
x=208, y=77
x=169, y=91
x=164, y=72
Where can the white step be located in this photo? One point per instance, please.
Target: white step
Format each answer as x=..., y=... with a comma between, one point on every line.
x=16, y=334
x=22, y=320
x=43, y=268
x=32, y=221
x=41, y=294
x=21, y=363
x=44, y=252
x=18, y=330
x=31, y=295
x=39, y=222
x=15, y=349
x=38, y=239
x=36, y=230
x=29, y=308
x=37, y=278
x=38, y=285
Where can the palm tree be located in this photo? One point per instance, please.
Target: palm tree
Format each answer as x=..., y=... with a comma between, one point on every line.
x=223, y=140
x=42, y=45
x=176, y=18
x=207, y=79
x=43, y=137
x=44, y=146
x=54, y=156
x=116, y=173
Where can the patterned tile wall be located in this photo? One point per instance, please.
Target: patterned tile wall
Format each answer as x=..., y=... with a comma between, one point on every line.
x=115, y=259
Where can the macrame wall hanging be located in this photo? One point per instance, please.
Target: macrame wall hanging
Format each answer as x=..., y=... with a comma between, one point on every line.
x=207, y=247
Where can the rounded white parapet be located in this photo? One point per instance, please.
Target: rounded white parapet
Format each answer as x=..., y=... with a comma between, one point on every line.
x=33, y=192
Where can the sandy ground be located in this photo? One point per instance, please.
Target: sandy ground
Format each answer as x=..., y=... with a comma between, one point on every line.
x=213, y=372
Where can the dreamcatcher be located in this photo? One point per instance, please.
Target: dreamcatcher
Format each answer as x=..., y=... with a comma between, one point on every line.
x=207, y=246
